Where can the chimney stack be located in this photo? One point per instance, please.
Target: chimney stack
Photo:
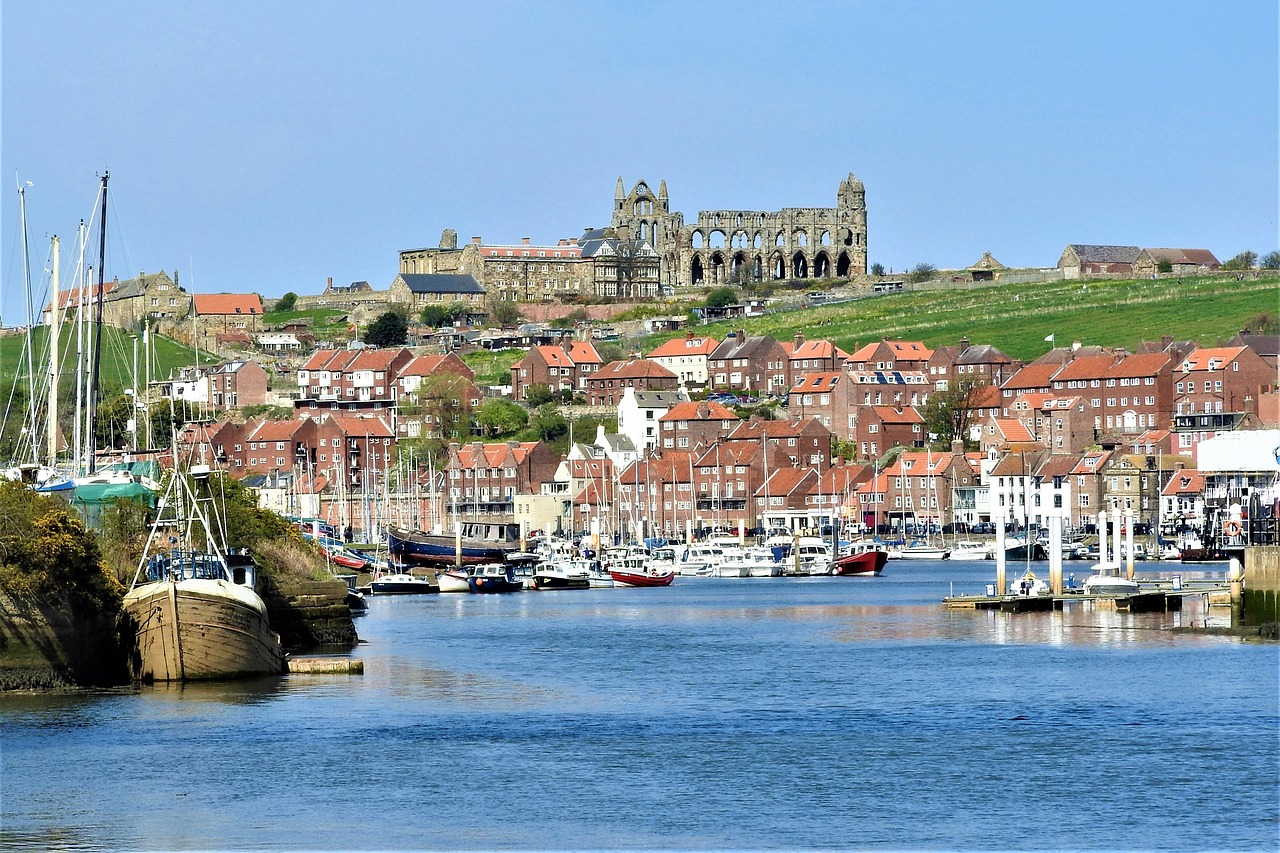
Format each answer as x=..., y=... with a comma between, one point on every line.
x=475, y=241
x=524, y=241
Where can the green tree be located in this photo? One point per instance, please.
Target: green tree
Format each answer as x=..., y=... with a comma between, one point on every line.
x=445, y=399
x=391, y=329
x=538, y=394
x=547, y=424
x=502, y=417
x=1243, y=261
x=506, y=314
x=721, y=297
x=877, y=269
x=1270, y=261
x=923, y=272
x=948, y=414
x=436, y=316
x=1164, y=265
x=287, y=302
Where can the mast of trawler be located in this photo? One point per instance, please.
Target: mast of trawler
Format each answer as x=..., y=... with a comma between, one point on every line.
x=97, y=333
x=26, y=280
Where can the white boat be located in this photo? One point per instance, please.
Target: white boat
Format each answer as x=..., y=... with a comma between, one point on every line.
x=456, y=579
x=563, y=574
x=404, y=583
x=923, y=552
x=195, y=610
x=700, y=560
x=1108, y=580
x=809, y=555
x=971, y=549
x=1029, y=585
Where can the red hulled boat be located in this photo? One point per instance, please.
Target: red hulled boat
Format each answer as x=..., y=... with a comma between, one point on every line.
x=866, y=563
x=641, y=577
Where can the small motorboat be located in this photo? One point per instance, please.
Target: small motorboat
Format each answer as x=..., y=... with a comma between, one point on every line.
x=494, y=578
x=642, y=575
x=971, y=549
x=401, y=583
x=346, y=558
x=572, y=574
x=1107, y=580
x=456, y=579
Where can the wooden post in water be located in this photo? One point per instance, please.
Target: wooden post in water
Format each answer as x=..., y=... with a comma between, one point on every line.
x=1128, y=542
x=1117, y=520
x=1000, y=557
x=1055, y=554
x=457, y=543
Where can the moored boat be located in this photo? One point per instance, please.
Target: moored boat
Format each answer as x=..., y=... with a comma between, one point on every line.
x=489, y=578
x=196, y=612
x=455, y=580
x=868, y=563
x=442, y=549
x=970, y=549
x=401, y=583
x=642, y=575
x=570, y=574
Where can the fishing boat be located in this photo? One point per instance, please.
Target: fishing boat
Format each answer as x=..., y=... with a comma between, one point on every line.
x=440, y=549
x=401, y=583
x=492, y=578
x=864, y=561
x=196, y=615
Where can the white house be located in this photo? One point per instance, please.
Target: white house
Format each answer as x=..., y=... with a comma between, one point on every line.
x=639, y=413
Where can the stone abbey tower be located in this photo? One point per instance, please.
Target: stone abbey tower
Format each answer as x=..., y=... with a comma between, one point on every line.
x=724, y=246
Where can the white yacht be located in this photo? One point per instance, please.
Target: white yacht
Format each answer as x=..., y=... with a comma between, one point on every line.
x=971, y=549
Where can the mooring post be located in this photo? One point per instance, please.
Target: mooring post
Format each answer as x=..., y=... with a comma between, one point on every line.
x=1128, y=541
x=1235, y=582
x=1055, y=554
x=1000, y=558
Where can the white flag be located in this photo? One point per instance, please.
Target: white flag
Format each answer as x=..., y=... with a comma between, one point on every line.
x=1049, y=339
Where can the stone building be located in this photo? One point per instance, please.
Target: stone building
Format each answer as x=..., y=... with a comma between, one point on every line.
x=724, y=245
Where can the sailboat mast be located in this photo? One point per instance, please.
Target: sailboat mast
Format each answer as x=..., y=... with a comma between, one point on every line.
x=78, y=288
x=55, y=327
x=26, y=280
x=97, y=333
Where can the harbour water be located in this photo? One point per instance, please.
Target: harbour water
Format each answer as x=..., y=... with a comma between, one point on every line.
x=713, y=714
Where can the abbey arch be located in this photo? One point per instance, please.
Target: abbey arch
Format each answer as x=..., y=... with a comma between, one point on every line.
x=794, y=242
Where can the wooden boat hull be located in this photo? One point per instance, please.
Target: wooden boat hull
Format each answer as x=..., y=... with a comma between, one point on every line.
x=199, y=629
x=430, y=549
x=452, y=581
x=867, y=564
x=642, y=579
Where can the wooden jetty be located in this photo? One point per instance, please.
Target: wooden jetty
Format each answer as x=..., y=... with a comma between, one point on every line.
x=1143, y=601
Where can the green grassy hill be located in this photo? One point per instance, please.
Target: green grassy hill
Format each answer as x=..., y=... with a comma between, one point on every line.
x=117, y=358
x=1018, y=317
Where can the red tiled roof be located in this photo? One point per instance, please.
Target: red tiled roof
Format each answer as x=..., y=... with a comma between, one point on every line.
x=699, y=410
x=890, y=415
x=1199, y=360
x=227, y=303
x=1032, y=376
x=633, y=369
x=816, y=382
x=685, y=346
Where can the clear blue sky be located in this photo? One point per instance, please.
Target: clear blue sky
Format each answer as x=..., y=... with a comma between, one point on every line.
x=268, y=146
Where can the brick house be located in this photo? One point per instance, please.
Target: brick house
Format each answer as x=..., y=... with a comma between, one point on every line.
x=1221, y=379
x=891, y=355
x=229, y=385
x=964, y=362
x=561, y=367
x=606, y=386
x=811, y=357
x=484, y=478
x=831, y=397
x=360, y=379
x=688, y=425
x=756, y=364
x=882, y=427
x=686, y=357
x=797, y=442
x=422, y=366
x=1125, y=393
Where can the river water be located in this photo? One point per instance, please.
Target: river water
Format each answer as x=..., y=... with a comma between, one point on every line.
x=778, y=713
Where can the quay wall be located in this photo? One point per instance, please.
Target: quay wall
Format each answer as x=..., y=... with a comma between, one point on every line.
x=52, y=646
x=1261, y=584
x=309, y=614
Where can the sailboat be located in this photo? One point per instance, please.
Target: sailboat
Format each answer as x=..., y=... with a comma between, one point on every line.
x=196, y=613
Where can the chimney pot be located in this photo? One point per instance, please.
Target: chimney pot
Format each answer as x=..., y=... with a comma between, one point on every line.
x=524, y=241
x=475, y=240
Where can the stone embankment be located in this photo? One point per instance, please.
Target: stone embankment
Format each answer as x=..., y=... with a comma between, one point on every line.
x=310, y=614
x=51, y=646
